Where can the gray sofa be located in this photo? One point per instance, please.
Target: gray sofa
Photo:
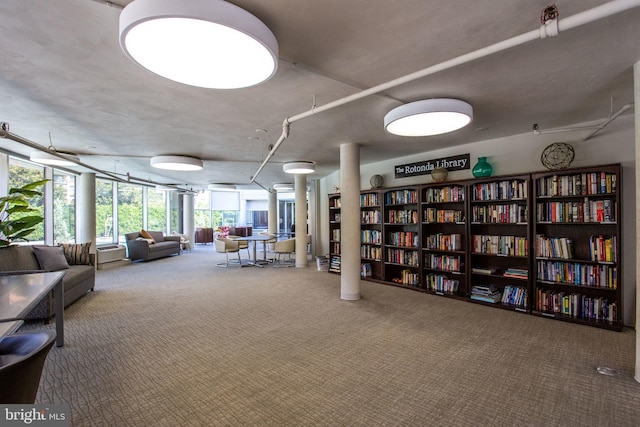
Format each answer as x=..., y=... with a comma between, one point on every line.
x=78, y=279
x=141, y=249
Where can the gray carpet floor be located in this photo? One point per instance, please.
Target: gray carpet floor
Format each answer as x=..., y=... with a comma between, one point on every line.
x=180, y=342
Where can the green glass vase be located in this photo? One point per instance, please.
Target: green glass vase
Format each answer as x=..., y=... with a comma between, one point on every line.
x=482, y=168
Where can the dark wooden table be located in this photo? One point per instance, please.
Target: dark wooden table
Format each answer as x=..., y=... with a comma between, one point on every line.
x=19, y=294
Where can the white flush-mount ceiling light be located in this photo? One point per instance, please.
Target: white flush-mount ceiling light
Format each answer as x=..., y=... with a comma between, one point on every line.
x=222, y=187
x=205, y=43
x=299, y=167
x=45, y=158
x=428, y=117
x=176, y=163
x=283, y=186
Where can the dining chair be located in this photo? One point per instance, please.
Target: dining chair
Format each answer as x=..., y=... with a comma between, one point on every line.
x=227, y=246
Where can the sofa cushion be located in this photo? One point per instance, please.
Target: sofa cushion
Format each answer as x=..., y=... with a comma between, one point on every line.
x=16, y=257
x=51, y=258
x=77, y=274
x=145, y=234
x=77, y=254
x=157, y=236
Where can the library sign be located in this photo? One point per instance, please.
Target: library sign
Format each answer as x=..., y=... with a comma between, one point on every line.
x=453, y=163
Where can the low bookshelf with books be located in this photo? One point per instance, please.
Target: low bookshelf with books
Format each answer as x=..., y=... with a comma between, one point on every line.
x=334, y=233
x=577, y=245
x=371, y=235
x=499, y=241
x=401, y=237
x=444, y=236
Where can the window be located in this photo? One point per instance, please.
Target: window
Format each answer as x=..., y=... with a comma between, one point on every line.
x=156, y=210
x=202, y=211
x=22, y=173
x=64, y=209
x=104, y=211
x=129, y=209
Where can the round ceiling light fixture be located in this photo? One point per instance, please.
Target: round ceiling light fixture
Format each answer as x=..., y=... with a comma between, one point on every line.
x=283, y=186
x=176, y=163
x=428, y=117
x=222, y=187
x=204, y=43
x=299, y=167
x=45, y=158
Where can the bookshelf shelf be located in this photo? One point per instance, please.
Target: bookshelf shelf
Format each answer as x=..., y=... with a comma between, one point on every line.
x=334, y=233
x=371, y=235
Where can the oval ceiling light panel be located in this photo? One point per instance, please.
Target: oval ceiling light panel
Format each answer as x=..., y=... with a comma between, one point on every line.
x=205, y=43
x=428, y=117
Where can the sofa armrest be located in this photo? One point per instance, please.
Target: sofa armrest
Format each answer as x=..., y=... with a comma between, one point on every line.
x=138, y=249
x=175, y=238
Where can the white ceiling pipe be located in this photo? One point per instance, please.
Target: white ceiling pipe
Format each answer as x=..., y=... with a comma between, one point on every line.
x=582, y=18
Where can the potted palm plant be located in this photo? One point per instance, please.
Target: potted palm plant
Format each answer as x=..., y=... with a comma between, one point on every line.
x=17, y=218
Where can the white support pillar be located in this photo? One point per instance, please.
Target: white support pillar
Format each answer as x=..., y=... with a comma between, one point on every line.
x=272, y=213
x=86, y=210
x=188, y=220
x=350, y=221
x=301, y=220
x=636, y=96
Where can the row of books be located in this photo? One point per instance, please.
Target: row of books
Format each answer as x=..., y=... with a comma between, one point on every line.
x=433, y=215
x=335, y=234
x=369, y=199
x=575, y=273
x=603, y=248
x=577, y=306
x=553, y=247
x=486, y=293
x=577, y=184
x=407, y=277
x=335, y=247
x=578, y=211
x=334, y=203
x=443, y=242
x=407, y=216
x=370, y=217
x=500, y=245
x=514, y=296
x=499, y=214
x=372, y=237
x=365, y=270
x=404, y=238
x=440, y=283
x=370, y=252
x=401, y=256
x=444, y=194
x=501, y=190
x=401, y=197
x=443, y=262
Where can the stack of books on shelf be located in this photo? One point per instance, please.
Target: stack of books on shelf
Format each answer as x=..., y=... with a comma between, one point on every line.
x=514, y=296
x=517, y=273
x=483, y=270
x=334, y=264
x=365, y=270
x=488, y=293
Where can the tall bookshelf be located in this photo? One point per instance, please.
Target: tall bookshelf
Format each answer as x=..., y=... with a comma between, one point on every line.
x=577, y=271
x=371, y=235
x=444, y=239
x=499, y=233
x=401, y=234
x=334, y=233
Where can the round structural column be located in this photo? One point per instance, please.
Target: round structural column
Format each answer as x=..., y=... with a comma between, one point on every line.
x=272, y=214
x=301, y=220
x=350, y=221
x=188, y=215
x=86, y=205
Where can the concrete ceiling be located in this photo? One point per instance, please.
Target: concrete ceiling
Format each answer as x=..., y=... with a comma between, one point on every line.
x=62, y=71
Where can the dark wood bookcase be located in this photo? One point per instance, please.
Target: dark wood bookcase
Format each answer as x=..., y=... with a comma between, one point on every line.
x=443, y=211
x=334, y=234
x=545, y=243
x=401, y=237
x=499, y=241
x=371, y=235
x=577, y=263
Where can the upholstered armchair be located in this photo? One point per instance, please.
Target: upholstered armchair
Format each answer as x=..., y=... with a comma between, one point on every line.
x=242, y=244
x=227, y=246
x=283, y=247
